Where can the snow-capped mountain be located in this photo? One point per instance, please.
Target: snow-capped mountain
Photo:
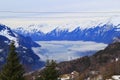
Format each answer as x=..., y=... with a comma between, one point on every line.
x=33, y=33
x=23, y=47
x=98, y=31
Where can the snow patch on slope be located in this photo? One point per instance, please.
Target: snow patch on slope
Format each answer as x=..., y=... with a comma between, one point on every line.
x=5, y=32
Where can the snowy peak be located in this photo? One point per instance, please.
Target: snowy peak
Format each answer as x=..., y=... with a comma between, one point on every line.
x=32, y=28
x=4, y=30
x=7, y=32
x=59, y=30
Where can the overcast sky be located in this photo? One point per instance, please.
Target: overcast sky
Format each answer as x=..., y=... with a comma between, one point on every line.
x=12, y=11
x=59, y=5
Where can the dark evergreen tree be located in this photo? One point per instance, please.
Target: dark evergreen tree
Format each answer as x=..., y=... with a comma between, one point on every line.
x=50, y=72
x=12, y=70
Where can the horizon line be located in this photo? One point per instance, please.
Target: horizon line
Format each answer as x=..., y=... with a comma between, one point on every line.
x=59, y=12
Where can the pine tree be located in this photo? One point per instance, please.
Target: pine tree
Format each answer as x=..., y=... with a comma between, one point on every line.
x=50, y=72
x=12, y=70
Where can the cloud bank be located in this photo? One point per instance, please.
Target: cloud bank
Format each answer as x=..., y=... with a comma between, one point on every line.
x=66, y=50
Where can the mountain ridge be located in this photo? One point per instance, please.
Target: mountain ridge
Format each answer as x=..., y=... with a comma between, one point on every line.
x=104, y=33
x=23, y=47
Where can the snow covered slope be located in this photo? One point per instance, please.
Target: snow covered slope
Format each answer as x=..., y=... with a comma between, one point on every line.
x=23, y=46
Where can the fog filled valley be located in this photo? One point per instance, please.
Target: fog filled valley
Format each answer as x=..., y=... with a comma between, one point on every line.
x=67, y=50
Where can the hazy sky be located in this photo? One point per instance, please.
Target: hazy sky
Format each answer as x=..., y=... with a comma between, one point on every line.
x=59, y=5
x=17, y=12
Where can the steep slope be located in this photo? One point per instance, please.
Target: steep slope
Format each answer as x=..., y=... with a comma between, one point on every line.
x=94, y=62
x=23, y=44
x=57, y=34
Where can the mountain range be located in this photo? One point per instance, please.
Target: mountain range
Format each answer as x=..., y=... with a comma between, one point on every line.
x=24, y=38
x=23, y=47
x=104, y=33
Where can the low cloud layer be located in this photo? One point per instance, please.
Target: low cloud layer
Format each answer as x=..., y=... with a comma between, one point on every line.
x=66, y=50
